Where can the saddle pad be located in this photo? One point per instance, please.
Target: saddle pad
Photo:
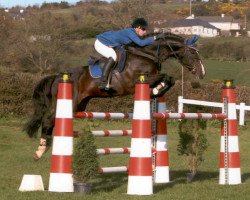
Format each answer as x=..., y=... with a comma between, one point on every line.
x=95, y=70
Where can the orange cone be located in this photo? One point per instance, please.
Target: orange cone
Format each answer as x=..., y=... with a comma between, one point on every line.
x=230, y=172
x=61, y=177
x=140, y=163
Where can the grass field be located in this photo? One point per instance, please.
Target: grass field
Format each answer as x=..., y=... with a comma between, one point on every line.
x=239, y=71
x=16, y=151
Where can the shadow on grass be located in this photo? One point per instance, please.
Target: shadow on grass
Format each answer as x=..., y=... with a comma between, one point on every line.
x=110, y=182
x=179, y=177
x=245, y=177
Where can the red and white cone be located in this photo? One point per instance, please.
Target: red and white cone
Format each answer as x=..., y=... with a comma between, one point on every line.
x=61, y=176
x=140, y=163
x=162, y=160
x=230, y=172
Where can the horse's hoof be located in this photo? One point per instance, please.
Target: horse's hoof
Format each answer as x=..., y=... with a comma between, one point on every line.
x=36, y=157
x=39, y=153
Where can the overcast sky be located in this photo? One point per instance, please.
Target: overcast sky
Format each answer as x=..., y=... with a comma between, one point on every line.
x=25, y=3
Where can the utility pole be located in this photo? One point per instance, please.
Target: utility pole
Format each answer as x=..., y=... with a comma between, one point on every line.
x=245, y=22
x=190, y=7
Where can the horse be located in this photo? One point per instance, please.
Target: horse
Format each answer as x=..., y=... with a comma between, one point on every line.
x=139, y=60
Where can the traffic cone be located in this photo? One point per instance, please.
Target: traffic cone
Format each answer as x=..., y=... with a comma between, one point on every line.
x=140, y=163
x=230, y=172
x=162, y=160
x=61, y=177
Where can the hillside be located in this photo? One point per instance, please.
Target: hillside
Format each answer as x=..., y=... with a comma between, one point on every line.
x=64, y=38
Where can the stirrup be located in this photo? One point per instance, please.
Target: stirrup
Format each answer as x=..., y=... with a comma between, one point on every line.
x=102, y=86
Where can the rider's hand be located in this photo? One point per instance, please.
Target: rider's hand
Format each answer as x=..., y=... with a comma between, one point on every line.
x=159, y=36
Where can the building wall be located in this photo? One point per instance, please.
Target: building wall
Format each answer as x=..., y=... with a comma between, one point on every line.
x=226, y=26
x=195, y=30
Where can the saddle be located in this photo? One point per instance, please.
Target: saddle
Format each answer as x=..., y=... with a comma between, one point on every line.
x=96, y=64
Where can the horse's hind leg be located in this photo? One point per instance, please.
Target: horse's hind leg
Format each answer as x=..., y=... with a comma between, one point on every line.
x=46, y=136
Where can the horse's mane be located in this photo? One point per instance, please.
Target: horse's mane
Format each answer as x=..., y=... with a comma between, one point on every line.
x=170, y=39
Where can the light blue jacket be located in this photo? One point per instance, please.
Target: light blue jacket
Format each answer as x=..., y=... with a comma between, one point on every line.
x=123, y=37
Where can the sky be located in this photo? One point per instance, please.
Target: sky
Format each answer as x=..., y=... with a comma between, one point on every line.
x=25, y=3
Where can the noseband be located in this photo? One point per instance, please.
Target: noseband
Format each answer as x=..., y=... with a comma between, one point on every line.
x=178, y=57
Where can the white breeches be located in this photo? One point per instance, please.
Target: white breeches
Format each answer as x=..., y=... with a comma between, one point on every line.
x=105, y=50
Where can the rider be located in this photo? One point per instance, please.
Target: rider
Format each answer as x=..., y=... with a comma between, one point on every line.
x=107, y=41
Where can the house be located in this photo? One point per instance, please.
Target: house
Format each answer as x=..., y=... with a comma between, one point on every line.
x=227, y=24
x=16, y=15
x=194, y=26
x=207, y=26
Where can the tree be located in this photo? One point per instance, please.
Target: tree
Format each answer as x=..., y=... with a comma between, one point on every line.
x=39, y=43
x=124, y=11
x=6, y=28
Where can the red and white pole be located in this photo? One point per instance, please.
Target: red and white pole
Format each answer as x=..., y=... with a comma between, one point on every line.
x=61, y=176
x=140, y=163
x=230, y=172
x=162, y=161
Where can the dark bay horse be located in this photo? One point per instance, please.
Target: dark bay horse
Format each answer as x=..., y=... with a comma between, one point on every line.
x=139, y=60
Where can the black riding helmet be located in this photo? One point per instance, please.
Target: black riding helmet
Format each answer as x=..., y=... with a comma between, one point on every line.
x=140, y=22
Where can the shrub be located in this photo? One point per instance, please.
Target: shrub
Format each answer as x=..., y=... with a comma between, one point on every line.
x=193, y=142
x=85, y=163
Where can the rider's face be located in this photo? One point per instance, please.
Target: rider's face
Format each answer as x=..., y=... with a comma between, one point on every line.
x=140, y=31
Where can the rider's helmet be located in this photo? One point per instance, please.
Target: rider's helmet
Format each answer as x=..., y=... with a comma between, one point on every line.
x=140, y=22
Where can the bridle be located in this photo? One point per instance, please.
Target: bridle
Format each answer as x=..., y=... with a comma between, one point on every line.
x=156, y=56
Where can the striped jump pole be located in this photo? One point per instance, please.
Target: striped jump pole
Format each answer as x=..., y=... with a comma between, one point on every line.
x=230, y=172
x=103, y=115
x=140, y=163
x=107, y=170
x=107, y=133
x=108, y=151
x=189, y=115
x=112, y=133
x=161, y=157
x=61, y=176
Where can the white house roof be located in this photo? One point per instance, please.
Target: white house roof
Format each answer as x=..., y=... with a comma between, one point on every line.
x=193, y=22
x=219, y=19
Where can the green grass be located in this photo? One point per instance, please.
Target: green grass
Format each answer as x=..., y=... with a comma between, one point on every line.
x=16, y=151
x=239, y=71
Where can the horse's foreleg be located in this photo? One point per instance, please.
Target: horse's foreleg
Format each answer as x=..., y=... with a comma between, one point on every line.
x=163, y=86
x=46, y=137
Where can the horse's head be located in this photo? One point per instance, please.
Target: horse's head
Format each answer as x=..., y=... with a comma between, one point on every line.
x=185, y=52
x=189, y=57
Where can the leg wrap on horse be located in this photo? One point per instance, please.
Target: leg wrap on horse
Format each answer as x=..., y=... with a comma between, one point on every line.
x=43, y=147
x=163, y=86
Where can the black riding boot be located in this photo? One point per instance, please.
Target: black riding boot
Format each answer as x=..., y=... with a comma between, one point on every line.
x=106, y=70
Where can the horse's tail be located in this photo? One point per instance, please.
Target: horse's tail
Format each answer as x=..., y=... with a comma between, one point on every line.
x=41, y=102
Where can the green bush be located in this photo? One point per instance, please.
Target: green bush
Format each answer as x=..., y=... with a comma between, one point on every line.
x=85, y=160
x=193, y=142
x=16, y=91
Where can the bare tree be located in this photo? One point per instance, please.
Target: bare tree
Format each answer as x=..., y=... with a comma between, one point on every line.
x=124, y=11
x=39, y=43
x=6, y=27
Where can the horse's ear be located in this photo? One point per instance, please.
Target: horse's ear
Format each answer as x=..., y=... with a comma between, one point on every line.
x=191, y=41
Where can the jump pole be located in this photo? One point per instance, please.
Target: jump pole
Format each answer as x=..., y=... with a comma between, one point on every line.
x=161, y=174
x=61, y=175
x=140, y=162
x=230, y=172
